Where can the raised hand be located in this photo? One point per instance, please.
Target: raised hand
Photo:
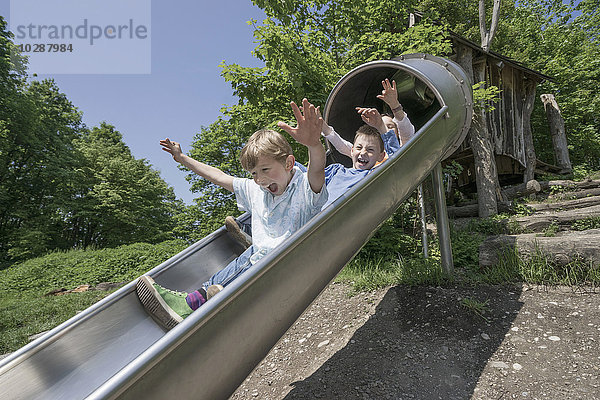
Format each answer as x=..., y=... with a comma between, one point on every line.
x=310, y=122
x=372, y=117
x=174, y=148
x=326, y=129
x=389, y=94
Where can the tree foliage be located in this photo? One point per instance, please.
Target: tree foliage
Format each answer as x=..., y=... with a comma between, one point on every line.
x=63, y=186
x=561, y=40
x=119, y=199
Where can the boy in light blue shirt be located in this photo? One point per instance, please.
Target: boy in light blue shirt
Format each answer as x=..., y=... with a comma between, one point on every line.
x=371, y=143
x=280, y=196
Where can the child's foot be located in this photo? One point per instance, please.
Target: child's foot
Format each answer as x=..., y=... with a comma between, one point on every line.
x=212, y=290
x=167, y=307
x=234, y=229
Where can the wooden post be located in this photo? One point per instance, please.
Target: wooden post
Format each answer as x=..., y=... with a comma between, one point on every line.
x=529, y=99
x=557, y=129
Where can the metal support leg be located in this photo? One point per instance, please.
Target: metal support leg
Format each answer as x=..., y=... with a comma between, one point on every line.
x=443, y=226
x=423, y=221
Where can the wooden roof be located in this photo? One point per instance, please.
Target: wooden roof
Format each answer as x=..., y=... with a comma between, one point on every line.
x=492, y=54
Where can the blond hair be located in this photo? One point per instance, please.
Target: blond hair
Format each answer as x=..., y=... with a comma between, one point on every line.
x=265, y=142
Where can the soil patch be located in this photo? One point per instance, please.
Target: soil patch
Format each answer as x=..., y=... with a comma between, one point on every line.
x=424, y=343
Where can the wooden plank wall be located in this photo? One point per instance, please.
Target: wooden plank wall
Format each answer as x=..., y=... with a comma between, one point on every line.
x=505, y=121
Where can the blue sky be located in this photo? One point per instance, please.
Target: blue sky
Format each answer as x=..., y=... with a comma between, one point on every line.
x=184, y=91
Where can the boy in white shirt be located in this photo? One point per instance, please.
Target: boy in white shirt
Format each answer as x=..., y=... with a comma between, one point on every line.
x=280, y=196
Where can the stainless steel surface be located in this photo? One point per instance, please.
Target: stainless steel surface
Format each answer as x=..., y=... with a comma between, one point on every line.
x=115, y=350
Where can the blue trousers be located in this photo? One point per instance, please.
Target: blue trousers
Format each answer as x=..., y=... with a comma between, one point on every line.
x=234, y=269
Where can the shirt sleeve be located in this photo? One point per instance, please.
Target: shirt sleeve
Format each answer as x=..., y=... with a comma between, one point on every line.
x=340, y=144
x=242, y=193
x=315, y=200
x=405, y=128
x=390, y=142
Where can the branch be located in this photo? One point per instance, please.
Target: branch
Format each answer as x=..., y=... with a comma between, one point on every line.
x=482, y=28
x=487, y=36
x=495, y=19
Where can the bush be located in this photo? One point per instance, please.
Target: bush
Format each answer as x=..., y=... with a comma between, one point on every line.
x=77, y=267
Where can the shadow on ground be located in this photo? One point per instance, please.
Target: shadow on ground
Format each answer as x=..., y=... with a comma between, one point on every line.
x=421, y=343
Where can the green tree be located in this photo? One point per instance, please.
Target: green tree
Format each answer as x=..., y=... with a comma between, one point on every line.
x=37, y=165
x=64, y=186
x=117, y=199
x=561, y=40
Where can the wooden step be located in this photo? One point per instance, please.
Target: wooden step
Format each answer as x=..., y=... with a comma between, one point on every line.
x=564, y=219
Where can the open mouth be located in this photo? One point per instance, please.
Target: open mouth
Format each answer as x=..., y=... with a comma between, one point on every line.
x=362, y=162
x=272, y=188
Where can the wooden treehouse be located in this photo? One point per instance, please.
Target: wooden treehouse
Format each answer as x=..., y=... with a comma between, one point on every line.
x=509, y=123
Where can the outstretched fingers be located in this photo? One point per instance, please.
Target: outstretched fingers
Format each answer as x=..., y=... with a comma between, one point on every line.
x=299, y=120
x=297, y=112
x=285, y=127
x=167, y=144
x=387, y=85
x=309, y=124
x=370, y=116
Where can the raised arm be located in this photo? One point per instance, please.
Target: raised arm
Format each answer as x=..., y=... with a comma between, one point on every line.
x=340, y=144
x=308, y=133
x=212, y=174
x=406, y=129
x=371, y=116
x=389, y=95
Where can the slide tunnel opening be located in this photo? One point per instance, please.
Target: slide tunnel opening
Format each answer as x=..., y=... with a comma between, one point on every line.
x=361, y=88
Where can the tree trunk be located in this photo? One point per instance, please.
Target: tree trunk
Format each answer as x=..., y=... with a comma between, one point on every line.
x=570, y=185
x=486, y=174
x=530, y=158
x=472, y=210
x=561, y=249
x=522, y=190
x=566, y=204
x=557, y=129
x=464, y=58
x=540, y=222
x=580, y=194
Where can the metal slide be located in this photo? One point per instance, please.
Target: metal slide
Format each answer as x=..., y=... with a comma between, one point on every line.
x=115, y=350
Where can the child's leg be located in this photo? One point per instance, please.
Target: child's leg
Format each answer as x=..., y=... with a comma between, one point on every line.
x=169, y=307
x=232, y=270
x=234, y=228
x=166, y=306
x=220, y=279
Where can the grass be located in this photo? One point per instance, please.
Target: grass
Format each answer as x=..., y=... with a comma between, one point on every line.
x=25, y=311
x=539, y=269
x=24, y=316
x=366, y=272
x=477, y=307
x=365, y=275
x=586, y=223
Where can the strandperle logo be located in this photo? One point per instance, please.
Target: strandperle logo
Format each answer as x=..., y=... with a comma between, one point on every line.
x=85, y=30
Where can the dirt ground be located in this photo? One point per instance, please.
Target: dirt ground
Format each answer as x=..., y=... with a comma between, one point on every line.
x=424, y=343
